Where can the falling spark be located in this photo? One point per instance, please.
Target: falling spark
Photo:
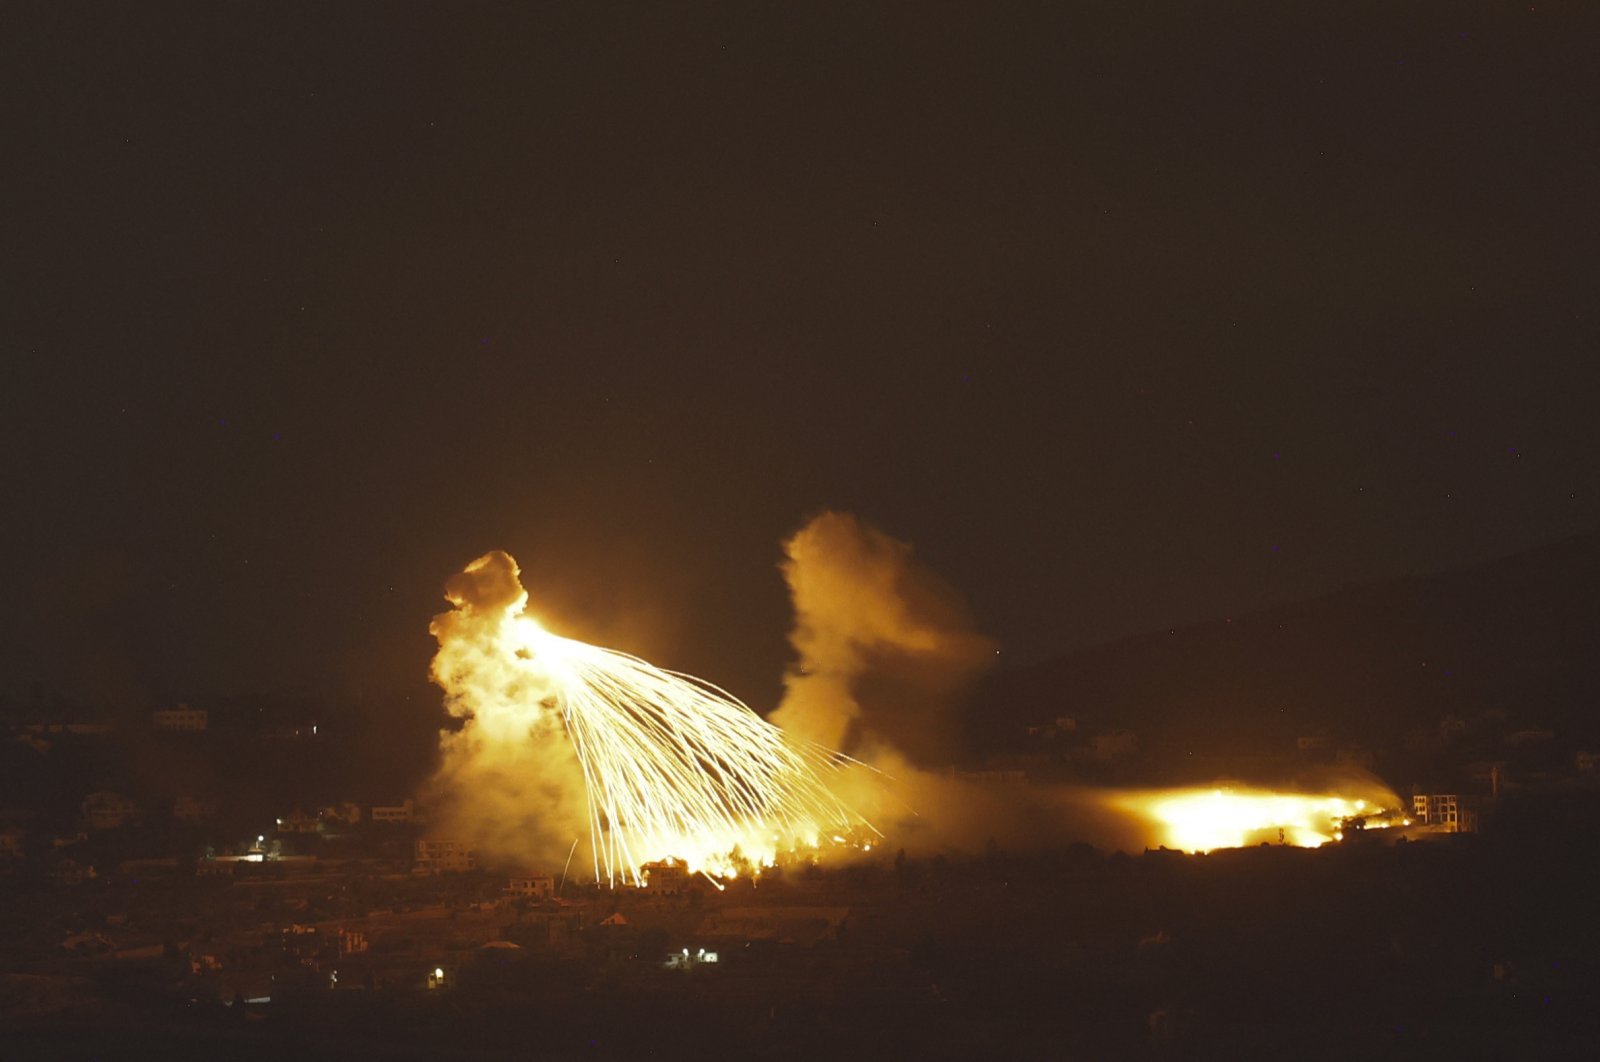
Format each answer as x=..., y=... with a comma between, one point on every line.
x=672, y=766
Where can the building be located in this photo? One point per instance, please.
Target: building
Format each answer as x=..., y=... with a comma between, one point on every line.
x=534, y=886
x=299, y=822
x=551, y=924
x=180, y=718
x=404, y=812
x=665, y=876
x=443, y=857
x=11, y=847
x=107, y=811
x=345, y=814
x=1448, y=812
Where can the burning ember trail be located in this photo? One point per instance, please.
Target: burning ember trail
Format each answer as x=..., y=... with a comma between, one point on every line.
x=670, y=766
x=1199, y=820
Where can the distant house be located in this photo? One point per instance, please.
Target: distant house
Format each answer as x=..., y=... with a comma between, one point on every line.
x=534, y=886
x=403, y=812
x=665, y=876
x=346, y=814
x=443, y=857
x=107, y=811
x=11, y=839
x=1449, y=812
x=299, y=822
x=180, y=718
x=551, y=924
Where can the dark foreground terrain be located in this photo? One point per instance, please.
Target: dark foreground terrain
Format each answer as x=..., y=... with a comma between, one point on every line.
x=1468, y=947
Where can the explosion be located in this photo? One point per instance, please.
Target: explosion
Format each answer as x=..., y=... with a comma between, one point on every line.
x=667, y=766
x=1199, y=820
x=563, y=741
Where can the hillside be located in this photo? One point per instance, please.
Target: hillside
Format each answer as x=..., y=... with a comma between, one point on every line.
x=1492, y=652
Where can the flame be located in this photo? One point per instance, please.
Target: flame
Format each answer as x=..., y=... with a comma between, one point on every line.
x=671, y=766
x=1199, y=820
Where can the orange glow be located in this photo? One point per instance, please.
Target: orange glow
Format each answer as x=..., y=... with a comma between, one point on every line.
x=667, y=766
x=1199, y=820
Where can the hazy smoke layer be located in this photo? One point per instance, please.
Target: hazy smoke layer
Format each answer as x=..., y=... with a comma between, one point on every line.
x=884, y=645
x=509, y=781
x=885, y=649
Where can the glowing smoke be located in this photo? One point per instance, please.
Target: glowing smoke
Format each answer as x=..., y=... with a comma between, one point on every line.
x=509, y=780
x=667, y=766
x=886, y=648
x=866, y=612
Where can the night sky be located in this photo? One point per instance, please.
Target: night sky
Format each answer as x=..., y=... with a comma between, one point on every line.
x=1125, y=315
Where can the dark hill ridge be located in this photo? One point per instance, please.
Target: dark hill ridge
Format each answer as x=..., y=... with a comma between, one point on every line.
x=1380, y=665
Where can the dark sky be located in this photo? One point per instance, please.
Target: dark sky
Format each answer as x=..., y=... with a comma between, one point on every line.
x=1126, y=315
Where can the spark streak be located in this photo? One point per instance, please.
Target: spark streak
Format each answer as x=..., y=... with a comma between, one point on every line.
x=672, y=766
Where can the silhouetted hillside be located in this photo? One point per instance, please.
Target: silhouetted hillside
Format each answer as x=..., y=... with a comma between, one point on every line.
x=1491, y=652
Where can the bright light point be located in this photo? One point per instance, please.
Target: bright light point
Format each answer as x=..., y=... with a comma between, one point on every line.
x=1199, y=820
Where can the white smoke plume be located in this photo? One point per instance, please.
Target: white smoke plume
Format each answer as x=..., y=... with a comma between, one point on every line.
x=866, y=611
x=885, y=650
x=509, y=780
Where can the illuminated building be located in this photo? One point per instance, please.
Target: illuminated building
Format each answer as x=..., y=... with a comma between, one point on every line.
x=403, y=812
x=1447, y=812
x=665, y=876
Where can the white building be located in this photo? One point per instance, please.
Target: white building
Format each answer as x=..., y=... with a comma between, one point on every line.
x=665, y=876
x=180, y=718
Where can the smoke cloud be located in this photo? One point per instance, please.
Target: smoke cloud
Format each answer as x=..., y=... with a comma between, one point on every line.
x=884, y=646
x=884, y=651
x=509, y=779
